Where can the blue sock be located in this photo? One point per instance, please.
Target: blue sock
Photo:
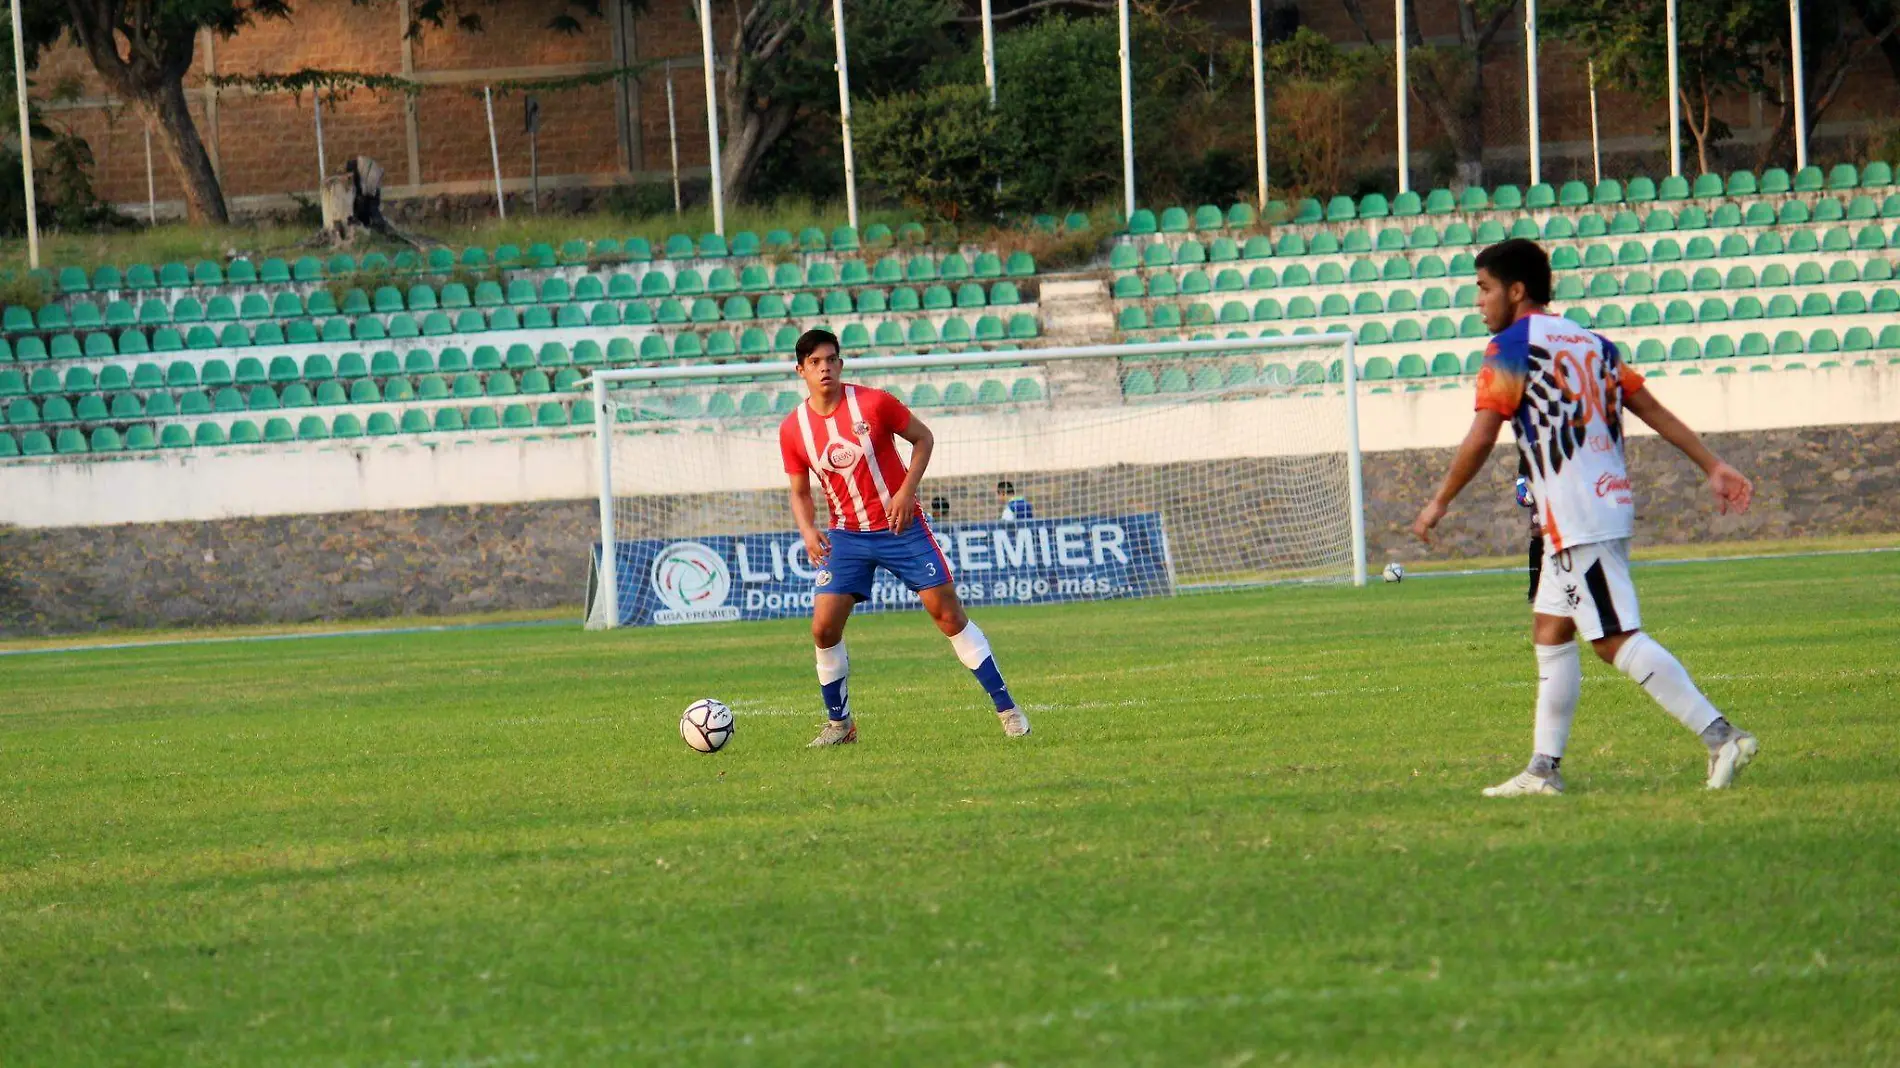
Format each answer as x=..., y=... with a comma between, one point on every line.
x=834, y=681
x=992, y=681
x=974, y=650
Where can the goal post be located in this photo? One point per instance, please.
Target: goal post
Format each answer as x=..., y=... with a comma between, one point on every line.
x=1059, y=474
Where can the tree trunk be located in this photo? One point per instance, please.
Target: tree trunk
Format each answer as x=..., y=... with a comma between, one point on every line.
x=753, y=134
x=165, y=107
x=1468, y=132
x=151, y=75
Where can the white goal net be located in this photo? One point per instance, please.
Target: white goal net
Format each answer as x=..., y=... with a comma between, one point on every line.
x=1058, y=475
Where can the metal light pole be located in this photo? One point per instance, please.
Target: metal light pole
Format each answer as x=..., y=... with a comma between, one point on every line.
x=1530, y=88
x=673, y=141
x=712, y=115
x=494, y=151
x=1128, y=117
x=844, y=116
x=1675, y=94
x=989, y=52
x=1259, y=108
x=1800, y=84
x=1596, y=141
x=1404, y=104
x=26, y=141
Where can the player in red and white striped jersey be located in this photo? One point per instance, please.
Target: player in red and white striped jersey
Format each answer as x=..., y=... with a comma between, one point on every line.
x=847, y=435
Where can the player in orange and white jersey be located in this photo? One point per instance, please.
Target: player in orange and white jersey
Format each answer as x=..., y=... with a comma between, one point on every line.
x=1564, y=391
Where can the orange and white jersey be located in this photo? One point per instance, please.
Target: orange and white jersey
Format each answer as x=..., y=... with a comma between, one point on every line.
x=1562, y=387
x=853, y=451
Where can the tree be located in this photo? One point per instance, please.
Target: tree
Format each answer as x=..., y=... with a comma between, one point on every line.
x=1832, y=47
x=779, y=66
x=1448, y=81
x=1719, y=52
x=142, y=49
x=1727, y=48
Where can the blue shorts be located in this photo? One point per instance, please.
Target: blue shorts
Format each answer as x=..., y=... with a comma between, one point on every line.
x=912, y=556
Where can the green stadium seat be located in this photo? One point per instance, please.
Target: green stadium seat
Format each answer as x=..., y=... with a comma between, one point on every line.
x=1441, y=202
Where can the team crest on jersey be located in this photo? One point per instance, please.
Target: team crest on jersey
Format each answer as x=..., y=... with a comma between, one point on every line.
x=840, y=456
x=1572, y=597
x=822, y=578
x=860, y=428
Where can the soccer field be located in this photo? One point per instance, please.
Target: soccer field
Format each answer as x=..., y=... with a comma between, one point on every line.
x=1246, y=830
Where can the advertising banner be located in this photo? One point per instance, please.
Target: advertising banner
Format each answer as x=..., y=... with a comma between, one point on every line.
x=768, y=576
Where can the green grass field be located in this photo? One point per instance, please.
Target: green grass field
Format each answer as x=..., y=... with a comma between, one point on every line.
x=1246, y=831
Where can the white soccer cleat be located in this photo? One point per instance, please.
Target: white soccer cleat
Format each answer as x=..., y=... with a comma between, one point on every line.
x=837, y=732
x=1525, y=783
x=1015, y=724
x=1727, y=762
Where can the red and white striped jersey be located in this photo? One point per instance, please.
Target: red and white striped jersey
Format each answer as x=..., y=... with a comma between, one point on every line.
x=854, y=453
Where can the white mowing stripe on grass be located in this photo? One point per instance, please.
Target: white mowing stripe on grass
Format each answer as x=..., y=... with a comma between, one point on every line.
x=448, y=628
x=1135, y=1010
x=227, y=639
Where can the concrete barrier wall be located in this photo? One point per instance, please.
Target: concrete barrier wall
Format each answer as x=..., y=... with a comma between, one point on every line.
x=411, y=473
x=1811, y=481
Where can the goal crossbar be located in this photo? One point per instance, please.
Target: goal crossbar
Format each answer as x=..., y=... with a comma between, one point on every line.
x=602, y=381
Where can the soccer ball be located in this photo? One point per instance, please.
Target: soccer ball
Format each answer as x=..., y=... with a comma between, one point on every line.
x=706, y=725
x=1395, y=572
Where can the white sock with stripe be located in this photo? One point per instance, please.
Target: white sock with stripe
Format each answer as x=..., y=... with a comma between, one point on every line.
x=1653, y=667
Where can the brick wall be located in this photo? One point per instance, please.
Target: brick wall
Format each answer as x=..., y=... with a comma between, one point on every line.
x=265, y=147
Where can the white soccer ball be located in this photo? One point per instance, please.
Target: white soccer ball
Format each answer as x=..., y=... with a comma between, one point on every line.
x=706, y=725
x=1395, y=572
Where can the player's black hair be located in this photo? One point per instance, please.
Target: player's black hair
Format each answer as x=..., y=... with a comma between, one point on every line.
x=1006, y=486
x=809, y=342
x=1519, y=260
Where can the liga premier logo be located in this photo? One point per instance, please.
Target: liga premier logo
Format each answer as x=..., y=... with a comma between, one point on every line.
x=693, y=582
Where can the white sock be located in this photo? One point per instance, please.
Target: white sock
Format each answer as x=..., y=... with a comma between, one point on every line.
x=834, y=681
x=1644, y=659
x=974, y=650
x=971, y=646
x=1559, y=681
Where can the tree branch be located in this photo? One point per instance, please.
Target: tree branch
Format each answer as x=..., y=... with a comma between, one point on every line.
x=1358, y=16
x=1839, y=77
x=1037, y=5
x=1491, y=28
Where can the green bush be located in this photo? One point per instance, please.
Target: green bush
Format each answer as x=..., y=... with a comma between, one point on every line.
x=936, y=150
x=1061, y=115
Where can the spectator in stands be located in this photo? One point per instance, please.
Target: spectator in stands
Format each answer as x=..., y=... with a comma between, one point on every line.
x=1015, y=507
x=940, y=509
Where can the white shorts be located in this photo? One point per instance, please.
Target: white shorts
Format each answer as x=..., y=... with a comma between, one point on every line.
x=1591, y=585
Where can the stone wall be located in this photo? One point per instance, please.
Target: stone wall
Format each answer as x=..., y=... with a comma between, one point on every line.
x=1809, y=483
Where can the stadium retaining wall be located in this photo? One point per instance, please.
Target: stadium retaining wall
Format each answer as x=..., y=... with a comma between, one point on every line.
x=1812, y=481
